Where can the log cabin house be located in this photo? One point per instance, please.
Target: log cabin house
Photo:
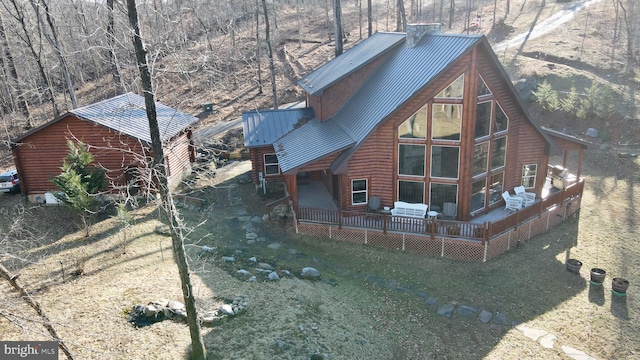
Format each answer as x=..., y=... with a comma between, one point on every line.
x=422, y=117
x=117, y=134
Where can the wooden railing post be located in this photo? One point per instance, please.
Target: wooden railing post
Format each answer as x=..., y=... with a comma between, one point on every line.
x=384, y=224
x=339, y=218
x=433, y=228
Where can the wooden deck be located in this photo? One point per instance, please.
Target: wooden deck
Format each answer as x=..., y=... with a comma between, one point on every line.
x=482, y=229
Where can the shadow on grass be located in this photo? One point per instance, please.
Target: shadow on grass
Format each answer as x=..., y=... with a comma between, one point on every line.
x=521, y=285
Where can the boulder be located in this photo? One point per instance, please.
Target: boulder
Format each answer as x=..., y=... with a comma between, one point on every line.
x=310, y=273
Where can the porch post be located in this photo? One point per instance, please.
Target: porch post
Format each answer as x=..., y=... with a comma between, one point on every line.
x=580, y=163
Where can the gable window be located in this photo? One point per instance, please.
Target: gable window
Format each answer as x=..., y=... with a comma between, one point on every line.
x=446, y=121
x=445, y=161
x=483, y=89
x=480, y=158
x=502, y=121
x=483, y=119
x=454, y=90
x=411, y=191
x=442, y=193
x=495, y=189
x=478, y=194
x=414, y=127
x=359, y=191
x=411, y=159
x=529, y=175
x=499, y=152
x=271, y=166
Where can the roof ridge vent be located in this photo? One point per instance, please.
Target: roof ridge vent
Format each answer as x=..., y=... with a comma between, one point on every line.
x=415, y=32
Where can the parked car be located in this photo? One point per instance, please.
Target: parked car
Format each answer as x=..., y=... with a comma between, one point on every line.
x=9, y=181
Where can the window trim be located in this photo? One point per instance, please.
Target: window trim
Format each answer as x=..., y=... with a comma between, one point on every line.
x=265, y=165
x=365, y=191
x=529, y=176
x=431, y=162
x=424, y=159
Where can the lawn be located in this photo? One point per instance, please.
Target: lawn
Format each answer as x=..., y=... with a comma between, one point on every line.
x=371, y=304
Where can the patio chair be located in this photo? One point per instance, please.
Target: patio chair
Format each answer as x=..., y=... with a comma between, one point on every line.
x=449, y=210
x=513, y=203
x=374, y=204
x=528, y=198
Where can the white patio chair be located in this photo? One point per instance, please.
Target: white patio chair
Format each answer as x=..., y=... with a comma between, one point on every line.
x=528, y=198
x=513, y=203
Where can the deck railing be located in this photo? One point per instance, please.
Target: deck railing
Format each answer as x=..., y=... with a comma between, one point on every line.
x=480, y=232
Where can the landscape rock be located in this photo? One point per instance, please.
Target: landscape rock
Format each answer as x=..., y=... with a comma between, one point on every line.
x=310, y=273
x=485, y=316
x=273, y=276
x=150, y=310
x=446, y=310
x=226, y=309
x=228, y=259
x=265, y=266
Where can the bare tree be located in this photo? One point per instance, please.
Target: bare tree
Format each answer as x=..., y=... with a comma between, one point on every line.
x=337, y=26
x=113, y=61
x=258, y=57
x=401, y=23
x=13, y=81
x=25, y=37
x=54, y=41
x=452, y=12
x=198, y=350
x=369, y=19
x=270, y=50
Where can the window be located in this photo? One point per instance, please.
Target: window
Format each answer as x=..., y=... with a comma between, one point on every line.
x=480, y=158
x=271, y=166
x=414, y=127
x=502, y=121
x=444, y=161
x=478, y=194
x=411, y=159
x=446, y=121
x=442, y=193
x=496, y=188
x=483, y=89
x=454, y=90
x=483, y=119
x=359, y=191
x=499, y=152
x=529, y=175
x=411, y=191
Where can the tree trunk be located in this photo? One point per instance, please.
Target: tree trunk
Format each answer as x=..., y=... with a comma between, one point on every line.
x=452, y=12
x=258, y=58
x=360, y=18
x=26, y=296
x=441, y=11
x=401, y=17
x=57, y=47
x=198, y=350
x=272, y=67
x=113, y=61
x=14, y=80
x=337, y=26
x=369, y=19
x=19, y=16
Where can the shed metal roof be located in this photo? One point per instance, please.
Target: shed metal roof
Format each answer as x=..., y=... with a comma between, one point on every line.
x=397, y=80
x=264, y=127
x=350, y=61
x=127, y=114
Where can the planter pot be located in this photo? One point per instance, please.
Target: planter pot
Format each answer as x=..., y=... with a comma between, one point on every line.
x=597, y=276
x=619, y=286
x=573, y=266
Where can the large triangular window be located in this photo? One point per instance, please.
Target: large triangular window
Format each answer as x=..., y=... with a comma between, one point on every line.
x=415, y=127
x=455, y=90
x=483, y=89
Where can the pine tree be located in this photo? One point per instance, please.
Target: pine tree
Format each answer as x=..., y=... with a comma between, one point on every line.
x=79, y=183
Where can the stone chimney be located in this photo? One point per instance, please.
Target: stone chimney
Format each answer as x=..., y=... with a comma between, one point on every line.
x=415, y=32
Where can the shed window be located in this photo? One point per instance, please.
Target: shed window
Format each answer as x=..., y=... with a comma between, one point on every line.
x=529, y=175
x=271, y=166
x=359, y=191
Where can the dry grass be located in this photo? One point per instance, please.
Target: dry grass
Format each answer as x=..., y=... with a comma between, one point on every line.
x=353, y=320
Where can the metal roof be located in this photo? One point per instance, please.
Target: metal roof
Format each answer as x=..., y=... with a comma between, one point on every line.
x=264, y=127
x=311, y=141
x=350, y=61
x=398, y=79
x=127, y=114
